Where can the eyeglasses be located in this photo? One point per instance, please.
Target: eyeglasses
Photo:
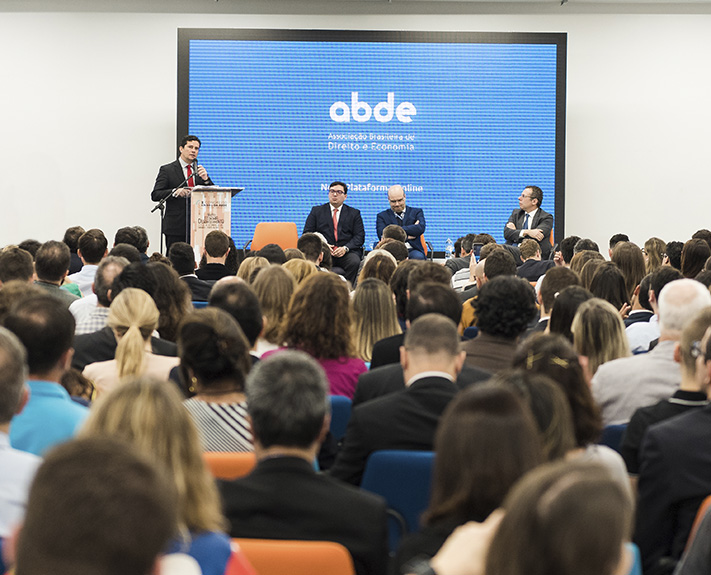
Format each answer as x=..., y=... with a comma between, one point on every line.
x=522, y=196
x=696, y=350
x=337, y=192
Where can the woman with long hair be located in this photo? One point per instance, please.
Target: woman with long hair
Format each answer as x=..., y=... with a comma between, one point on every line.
x=150, y=416
x=693, y=257
x=630, y=260
x=374, y=316
x=565, y=307
x=172, y=298
x=319, y=322
x=485, y=442
x=274, y=287
x=133, y=316
x=654, y=252
x=608, y=283
x=599, y=334
x=215, y=360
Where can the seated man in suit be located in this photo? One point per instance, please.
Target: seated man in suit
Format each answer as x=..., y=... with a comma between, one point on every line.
x=412, y=220
x=532, y=267
x=342, y=226
x=530, y=221
x=182, y=256
x=284, y=498
x=406, y=419
x=169, y=184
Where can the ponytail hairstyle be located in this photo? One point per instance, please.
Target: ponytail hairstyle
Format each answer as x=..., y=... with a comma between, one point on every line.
x=133, y=316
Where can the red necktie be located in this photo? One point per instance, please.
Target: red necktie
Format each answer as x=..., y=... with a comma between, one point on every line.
x=335, y=224
x=191, y=180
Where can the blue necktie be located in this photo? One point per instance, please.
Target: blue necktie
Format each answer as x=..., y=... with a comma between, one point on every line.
x=525, y=222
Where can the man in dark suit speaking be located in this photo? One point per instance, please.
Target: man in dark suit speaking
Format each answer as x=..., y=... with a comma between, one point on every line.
x=530, y=221
x=412, y=220
x=343, y=229
x=182, y=172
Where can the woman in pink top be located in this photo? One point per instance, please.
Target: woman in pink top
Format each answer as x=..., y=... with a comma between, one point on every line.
x=319, y=322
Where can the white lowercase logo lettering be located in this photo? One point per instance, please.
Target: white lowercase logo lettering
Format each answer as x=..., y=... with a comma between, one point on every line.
x=362, y=112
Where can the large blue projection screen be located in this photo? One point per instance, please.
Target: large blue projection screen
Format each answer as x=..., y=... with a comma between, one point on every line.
x=462, y=126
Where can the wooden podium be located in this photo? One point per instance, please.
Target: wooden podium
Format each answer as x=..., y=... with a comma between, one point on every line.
x=210, y=209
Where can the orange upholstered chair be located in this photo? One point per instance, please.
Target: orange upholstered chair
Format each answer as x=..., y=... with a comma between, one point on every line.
x=279, y=557
x=284, y=234
x=229, y=465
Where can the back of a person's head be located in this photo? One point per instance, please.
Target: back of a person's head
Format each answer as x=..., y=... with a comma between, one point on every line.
x=134, y=275
x=585, y=244
x=182, y=257
x=398, y=250
x=693, y=257
x=30, y=246
x=486, y=249
x=691, y=336
x=71, y=237
x=674, y=250
x=428, y=272
x=92, y=245
x=293, y=254
x=395, y=232
x=472, y=478
x=127, y=251
x=703, y=234
x=608, y=283
x=310, y=245
x=432, y=334
x=213, y=348
x=398, y=284
x=45, y=328
x=274, y=287
x=143, y=241
x=581, y=258
x=499, y=263
x=655, y=250
x=680, y=301
x=564, y=309
x=300, y=269
x=563, y=518
x=663, y=276
x=374, y=316
x=133, y=316
x=149, y=414
x=599, y=333
x=13, y=372
x=379, y=264
x=529, y=248
x=217, y=243
x=52, y=261
x=109, y=268
x=318, y=320
x=238, y=299
x=172, y=298
x=128, y=235
x=549, y=406
x=617, y=238
x=567, y=246
x=555, y=280
x=587, y=273
x=553, y=355
x=96, y=490
x=14, y=292
x=287, y=400
x=15, y=264
x=630, y=260
x=273, y=254
x=249, y=266
x=431, y=297
x=505, y=306
x=643, y=296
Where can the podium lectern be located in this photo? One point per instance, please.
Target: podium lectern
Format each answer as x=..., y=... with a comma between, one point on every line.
x=210, y=209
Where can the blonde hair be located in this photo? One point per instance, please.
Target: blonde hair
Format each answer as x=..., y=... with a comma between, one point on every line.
x=249, y=265
x=149, y=414
x=374, y=316
x=133, y=316
x=300, y=269
x=599, y=333
x=274, y=287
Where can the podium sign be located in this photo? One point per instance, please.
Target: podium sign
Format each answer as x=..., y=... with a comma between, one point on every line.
x=210, y=209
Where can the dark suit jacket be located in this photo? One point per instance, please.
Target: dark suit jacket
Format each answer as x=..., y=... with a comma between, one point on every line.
x=412, y=215
x=542, y=221
x=212, y=272
x=387, y=351
x=390, y=378
x=101, y=346
x=284, y=498
x=169, y=177
x=351, y=232
x=199, y=289
x=406, y=419
x=531, y=270
x=674, y=477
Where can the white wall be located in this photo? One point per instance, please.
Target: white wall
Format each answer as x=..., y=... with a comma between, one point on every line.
x=88, y=108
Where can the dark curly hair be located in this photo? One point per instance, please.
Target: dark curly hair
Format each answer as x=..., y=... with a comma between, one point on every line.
x=505, y=306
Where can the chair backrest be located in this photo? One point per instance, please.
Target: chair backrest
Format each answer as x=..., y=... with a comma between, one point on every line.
x=224, y=465
x=612, y=436
x=404, y=479
x=281, y=557
x=424, y=244
x=703, y=509
x=284, y=234
x=340, y=414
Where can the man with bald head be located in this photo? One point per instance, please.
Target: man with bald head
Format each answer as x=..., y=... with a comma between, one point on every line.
x=412, y=220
